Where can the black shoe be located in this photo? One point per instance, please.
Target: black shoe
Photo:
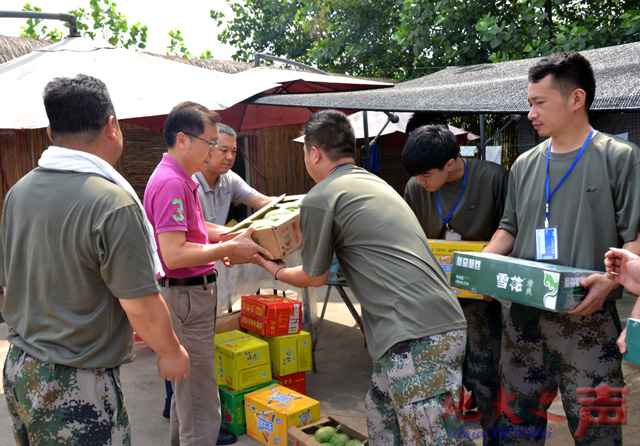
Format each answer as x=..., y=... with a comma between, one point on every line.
x=166, y=414
x=226, y=437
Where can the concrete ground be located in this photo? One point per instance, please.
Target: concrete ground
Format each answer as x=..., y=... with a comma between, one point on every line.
x=340, y=384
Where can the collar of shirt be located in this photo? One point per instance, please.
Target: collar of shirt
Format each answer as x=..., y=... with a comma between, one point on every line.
x=171, y=163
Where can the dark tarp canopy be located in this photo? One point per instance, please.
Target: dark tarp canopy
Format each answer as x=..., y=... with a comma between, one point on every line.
x=487, y=88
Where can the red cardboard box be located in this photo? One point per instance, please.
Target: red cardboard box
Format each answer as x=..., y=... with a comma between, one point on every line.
x=295, y=381
x=270, y=315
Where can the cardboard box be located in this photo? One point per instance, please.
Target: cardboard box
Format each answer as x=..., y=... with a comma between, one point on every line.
x=272, y=410
x=632, y=354
x=295, y=381
x=280, y=237
x=232, y=407
x=299, y=436
x=537, y=284
x=444, y=249
x=241, y=360
x=228, y=322
x=290, y=353
x=270, y=315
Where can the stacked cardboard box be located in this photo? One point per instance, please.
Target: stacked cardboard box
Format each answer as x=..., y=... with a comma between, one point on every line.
x=270, y=315
x=443, y=251
x=232, y=407
x=537, y=284
x=241, y=360
x=274, y=409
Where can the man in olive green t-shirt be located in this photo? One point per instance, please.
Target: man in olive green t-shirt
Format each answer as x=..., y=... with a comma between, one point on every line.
x=413, y=323
x=458, y=199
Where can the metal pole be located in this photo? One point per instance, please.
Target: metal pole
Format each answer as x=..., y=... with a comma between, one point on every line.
x=73, y=26
x=483, y=143
x=365, y=147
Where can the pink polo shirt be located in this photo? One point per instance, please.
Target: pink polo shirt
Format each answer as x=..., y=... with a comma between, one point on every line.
x=171, y=203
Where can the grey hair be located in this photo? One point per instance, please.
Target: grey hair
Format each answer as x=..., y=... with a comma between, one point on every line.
x=224, y=128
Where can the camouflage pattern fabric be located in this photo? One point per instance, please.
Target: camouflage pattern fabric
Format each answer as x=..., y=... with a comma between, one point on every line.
x=52, y=404
x=543, y=352
x=412, y=390
x=481, y=367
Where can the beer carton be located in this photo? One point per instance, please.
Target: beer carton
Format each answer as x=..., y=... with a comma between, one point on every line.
x=280, y=236
x=537, y=284
x=270, y=315
x=272, y=410
x=443, y=251
x=241, y=360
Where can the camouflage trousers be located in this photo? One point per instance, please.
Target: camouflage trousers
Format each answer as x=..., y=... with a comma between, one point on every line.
x=52, y=404
x=413, y=387
x=481, y=366
x=543, y=352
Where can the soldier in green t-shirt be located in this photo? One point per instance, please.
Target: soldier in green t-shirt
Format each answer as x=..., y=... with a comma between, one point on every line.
x=570, y=199
x=413, y=324
x=460, y=199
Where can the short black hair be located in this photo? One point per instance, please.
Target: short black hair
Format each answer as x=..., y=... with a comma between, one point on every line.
x=331, y=132
x=78, y=105
x=429, y=147
x=187, y=117
x=569, y=70
x=418, y=119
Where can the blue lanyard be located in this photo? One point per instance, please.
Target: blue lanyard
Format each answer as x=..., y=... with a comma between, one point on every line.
x=464, y=181
x=575, y=161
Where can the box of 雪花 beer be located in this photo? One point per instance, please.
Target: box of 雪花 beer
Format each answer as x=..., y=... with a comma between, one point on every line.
x=536, y=284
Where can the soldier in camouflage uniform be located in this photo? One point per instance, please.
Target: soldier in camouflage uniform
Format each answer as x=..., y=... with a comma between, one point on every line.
x=462, y=199
x=77, y=267
x=413, y=324
x=578, y=189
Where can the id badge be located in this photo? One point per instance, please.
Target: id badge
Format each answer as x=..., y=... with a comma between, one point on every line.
x=547, y=243
x=452, y=235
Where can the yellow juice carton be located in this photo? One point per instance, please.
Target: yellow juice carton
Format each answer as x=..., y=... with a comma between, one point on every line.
x=241, y=360
x=444, y=249
x=290, y=353
x=271, y=411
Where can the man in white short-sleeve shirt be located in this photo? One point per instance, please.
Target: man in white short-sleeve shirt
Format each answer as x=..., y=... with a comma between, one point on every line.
x=220, y=186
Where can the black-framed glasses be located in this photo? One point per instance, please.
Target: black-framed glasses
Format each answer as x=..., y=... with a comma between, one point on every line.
x=212, y=144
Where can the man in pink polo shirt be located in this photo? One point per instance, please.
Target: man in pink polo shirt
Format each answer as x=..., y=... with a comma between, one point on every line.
x=172, y=205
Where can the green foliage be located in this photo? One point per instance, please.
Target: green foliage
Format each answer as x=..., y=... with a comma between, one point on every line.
x=404, y=39
x=176, y=46
x=107, y=23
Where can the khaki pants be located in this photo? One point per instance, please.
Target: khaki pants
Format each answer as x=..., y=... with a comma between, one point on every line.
x=195, y=405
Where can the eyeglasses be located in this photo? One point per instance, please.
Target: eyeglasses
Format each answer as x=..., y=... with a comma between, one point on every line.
x=212, y=144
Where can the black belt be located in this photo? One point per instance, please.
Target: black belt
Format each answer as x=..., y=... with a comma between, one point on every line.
x=188, y=281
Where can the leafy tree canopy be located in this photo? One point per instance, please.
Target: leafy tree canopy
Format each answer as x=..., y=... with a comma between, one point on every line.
x=404, y=39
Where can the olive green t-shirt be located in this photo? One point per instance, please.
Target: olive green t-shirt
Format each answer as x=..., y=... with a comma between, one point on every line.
x=595, y=208
x=479, y=211
x=71, y=244
x=384, y=255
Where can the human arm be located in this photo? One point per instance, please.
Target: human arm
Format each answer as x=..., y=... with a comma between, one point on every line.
x=150, y=319
x=177, y=252
x=501, y=243
x=600, y=286
x=293, y=276
x=214, y=231
x=258, y=201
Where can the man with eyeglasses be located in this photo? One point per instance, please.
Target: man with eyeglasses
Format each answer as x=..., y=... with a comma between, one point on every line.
x=188, y=260
x=220, y=186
